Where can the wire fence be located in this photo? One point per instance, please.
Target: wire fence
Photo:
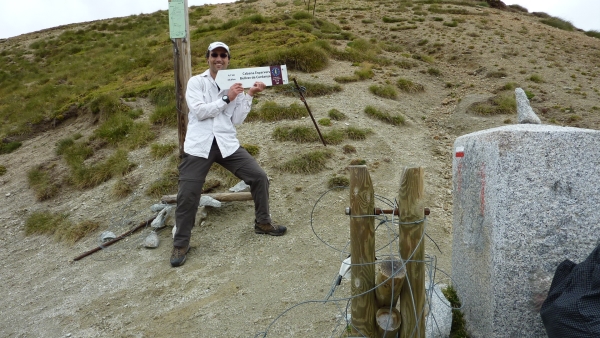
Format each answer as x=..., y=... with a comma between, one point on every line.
x=338, y=298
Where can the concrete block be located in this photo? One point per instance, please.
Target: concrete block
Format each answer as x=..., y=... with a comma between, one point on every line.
x=525, y=198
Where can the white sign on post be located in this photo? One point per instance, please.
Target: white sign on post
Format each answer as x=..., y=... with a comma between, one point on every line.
x=176, y=19
x=270, y=75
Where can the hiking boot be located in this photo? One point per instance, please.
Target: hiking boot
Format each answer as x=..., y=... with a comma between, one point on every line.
x=178, y=255
x=269, y=229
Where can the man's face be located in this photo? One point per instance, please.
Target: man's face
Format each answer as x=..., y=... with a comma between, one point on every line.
x=218, y=59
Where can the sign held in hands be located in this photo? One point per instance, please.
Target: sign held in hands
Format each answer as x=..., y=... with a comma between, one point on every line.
x=270, y=75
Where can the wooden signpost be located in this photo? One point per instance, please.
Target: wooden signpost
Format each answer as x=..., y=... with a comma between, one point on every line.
x=179, y=32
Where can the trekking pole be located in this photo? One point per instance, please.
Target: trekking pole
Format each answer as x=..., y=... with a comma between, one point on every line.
x=300, y=90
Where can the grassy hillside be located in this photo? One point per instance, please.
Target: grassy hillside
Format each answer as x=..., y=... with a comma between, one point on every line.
x=93, y=70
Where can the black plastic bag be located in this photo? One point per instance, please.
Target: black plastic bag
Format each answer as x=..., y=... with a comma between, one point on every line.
x=572, y=308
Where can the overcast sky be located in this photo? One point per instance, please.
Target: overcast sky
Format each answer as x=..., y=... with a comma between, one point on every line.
x=19, y=17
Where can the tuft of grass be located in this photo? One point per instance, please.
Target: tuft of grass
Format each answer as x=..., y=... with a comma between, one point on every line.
x=165, y=112
x=349, y=149
x=122, y=188
x=75, y=232
x=325, y=121
x=313, y=89
x=338, y=182
x=270, y=111
x=519, y=8
x=43, y=222
x=252, y=149
x=47, y=223
x=358, y=161
x=158, y=151
x=308, y=57
x=395, y=120
x=434, y=71
x=9, y=147
x=364, y=73
x=41, y=182
x=166, y=184
x=593, y=33
x=450, y=24
x=559, y=23
x=499, y=104
x=509, y=86
x=496, y=74
x=536, y=78
x=88, y=176
x=308, y=163
x=385, y=91
x=408, y=86
x=336, y=115
x=301, y=134
x=2, y=170
x=458, y=329
x=355, y=133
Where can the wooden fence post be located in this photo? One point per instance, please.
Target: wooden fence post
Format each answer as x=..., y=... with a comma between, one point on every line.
x=362, y=251
x=412, y=296
x=182, y=60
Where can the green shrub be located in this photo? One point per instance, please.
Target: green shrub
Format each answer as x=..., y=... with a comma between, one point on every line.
x=385, y=91
x=395, y=120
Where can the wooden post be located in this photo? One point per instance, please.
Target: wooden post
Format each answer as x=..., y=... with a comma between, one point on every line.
x=412, y=296
x=362, y=251
x=390, y=279
x=183, y=71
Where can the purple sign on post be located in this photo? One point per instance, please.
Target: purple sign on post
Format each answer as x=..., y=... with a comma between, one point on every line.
x=276, y=77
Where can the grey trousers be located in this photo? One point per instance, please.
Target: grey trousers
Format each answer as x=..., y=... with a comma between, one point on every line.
x=192, y=173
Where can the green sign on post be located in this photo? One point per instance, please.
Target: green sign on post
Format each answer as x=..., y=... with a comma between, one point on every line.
x=176, y=19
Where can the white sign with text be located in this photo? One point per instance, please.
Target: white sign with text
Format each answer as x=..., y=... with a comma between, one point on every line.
x=270, y=75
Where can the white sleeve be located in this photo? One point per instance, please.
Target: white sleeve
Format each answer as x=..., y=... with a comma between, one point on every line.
x=198, y=100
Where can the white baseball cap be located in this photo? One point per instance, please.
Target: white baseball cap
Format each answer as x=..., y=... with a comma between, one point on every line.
x=216, y=45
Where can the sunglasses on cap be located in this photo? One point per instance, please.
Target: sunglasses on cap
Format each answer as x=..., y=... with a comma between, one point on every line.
x=222, y=55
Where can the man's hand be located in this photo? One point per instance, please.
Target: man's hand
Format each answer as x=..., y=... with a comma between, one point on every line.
x=256, y=88
x=234, y=90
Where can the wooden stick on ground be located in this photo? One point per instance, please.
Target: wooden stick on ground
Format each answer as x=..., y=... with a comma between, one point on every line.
x=109, y=243
x=219, y=196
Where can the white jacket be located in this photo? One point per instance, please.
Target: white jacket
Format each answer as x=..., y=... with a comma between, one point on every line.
x=210, y=117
